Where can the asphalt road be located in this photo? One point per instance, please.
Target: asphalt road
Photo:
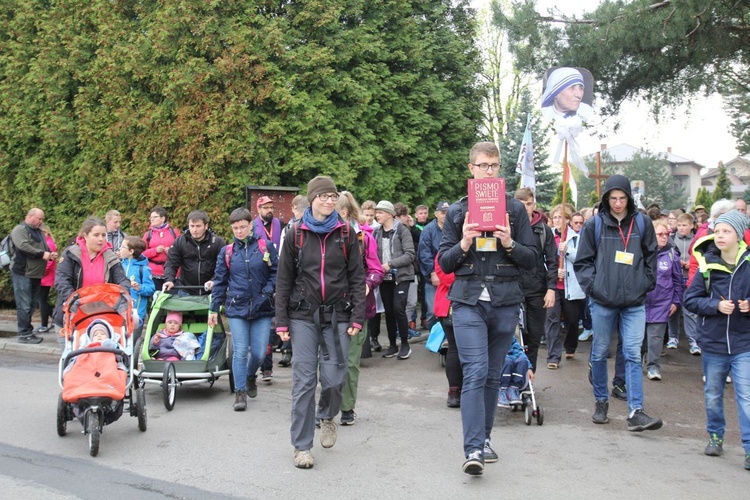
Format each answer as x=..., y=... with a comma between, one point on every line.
x=405, y=443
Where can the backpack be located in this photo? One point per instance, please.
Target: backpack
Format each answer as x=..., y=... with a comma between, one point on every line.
x=262, y=245
x=299, y=239
x=150, y=232
x=7, y=250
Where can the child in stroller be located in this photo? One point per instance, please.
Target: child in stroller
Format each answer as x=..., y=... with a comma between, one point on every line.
x=96, y=374
x=172, y=343
x=514, y=377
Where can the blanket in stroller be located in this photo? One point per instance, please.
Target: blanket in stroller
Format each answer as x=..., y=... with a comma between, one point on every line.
x=95, y=374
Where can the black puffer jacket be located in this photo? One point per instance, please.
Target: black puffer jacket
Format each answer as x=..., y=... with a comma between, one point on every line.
x=195, y=260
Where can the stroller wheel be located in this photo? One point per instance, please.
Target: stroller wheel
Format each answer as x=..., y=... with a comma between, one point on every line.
x=527, y=415
x=94, y=432
x=140, y=398
x=169, y=386
x=231, y=380
x=62, y=416
x=539, y=415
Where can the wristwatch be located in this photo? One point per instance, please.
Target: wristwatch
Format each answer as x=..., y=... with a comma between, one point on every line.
x=511, y=247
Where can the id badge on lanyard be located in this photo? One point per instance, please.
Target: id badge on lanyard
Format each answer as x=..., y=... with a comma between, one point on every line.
x=623, y=256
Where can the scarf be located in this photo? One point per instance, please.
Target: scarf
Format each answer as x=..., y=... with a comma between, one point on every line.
x=320, y=227
x=91, y=269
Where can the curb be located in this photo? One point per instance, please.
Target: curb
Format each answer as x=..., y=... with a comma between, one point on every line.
x=11, y=345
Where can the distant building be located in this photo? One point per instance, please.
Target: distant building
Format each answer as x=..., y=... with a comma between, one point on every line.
x=686, y=172
x=738, y=173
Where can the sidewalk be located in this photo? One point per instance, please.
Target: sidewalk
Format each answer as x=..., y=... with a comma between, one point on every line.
x=49, y=347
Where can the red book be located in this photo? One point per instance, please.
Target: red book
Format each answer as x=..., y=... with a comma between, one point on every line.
x=487, y=203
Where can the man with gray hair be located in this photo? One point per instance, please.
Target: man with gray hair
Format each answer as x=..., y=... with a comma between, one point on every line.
x=27, y=268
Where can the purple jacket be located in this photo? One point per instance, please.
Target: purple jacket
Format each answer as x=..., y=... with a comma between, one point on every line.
x=373, y=269
x=668, y=289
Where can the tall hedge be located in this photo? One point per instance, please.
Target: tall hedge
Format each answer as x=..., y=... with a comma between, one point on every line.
x=133, y=103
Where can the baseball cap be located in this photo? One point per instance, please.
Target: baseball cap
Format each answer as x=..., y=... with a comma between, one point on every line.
x=263, y=200
x=442, y=206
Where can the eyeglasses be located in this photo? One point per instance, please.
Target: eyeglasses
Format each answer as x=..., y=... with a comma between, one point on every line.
x=334, y=197
x=486, y=166
x=662, y=233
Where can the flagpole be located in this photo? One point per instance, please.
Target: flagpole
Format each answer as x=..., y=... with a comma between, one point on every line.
x=563, y=233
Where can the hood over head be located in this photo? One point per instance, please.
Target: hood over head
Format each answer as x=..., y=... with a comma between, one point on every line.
x=623, y=184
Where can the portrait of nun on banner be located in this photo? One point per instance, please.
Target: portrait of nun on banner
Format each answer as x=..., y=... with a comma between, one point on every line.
x=567, y=95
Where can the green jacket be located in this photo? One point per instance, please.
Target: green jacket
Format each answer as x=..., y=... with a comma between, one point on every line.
x=30, y=246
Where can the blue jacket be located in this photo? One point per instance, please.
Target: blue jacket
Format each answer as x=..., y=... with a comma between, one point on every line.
x=137, y=270
x=247, y=286
x=668, y=289
x=573, y=290
x=429, y=243
x=718, y=333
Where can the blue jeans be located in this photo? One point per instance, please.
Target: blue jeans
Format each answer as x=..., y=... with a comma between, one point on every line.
x=26, y=294
x=716, y=367
x=483, y=336
x=632, y=323
x=252, y=334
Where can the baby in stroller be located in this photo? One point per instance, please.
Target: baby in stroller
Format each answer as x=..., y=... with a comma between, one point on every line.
x=171, y=343
x=514, y=377
x=96, y=374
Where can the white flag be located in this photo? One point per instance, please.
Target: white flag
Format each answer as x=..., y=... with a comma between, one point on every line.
x=525, y=163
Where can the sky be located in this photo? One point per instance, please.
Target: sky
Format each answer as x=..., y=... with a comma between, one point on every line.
x=703, y=134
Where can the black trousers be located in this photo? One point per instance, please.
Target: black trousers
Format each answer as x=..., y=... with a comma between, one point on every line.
x=394, y=297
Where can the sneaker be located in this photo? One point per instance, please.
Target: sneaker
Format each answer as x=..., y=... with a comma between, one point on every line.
x=585, y=335
x=747, y=461
x=29, y=339
x=303, y=459
x=715, y=446
x=405, y=351
x=474, y=464
x=390, y=352
x=375, y=345
x=489, y=454
x=729, y=379
x=454, y=397
x=286, y=359
x=672, y=344
x=414, y=333
x=252, y=387
x=653, y=374
x=327, y=433
x=267, y=376
x=514, y=398
x=642, y=422
x=42, y=329
x=620, y=392
x=240, y=401
x=600, y=413
x=348, y=417
x=695, y=350
x=543, y=340
x=502, y=399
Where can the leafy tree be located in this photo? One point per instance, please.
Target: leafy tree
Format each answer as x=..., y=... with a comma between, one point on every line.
x=132, y=103
x=703, y=197
x=593, y=199
x=558, y=196
x=723, y=188
x=675, y=50
x=660, y=187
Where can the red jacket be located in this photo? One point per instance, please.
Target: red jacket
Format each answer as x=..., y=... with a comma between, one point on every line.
x=442, y=306
x=163, y=237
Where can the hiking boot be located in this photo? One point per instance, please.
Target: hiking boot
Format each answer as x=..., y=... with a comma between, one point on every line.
x=489, y=454
x=600, y=413
x=252, y=387
x=620, y=392
x=375, y=345
x=267, y=376
x=502, y=399
x=240, y=401
x=286, y=359
x=474, y=464
x=514, y=398
x=424, y=324
x=327, y=433
x=29, y=339
x=715, y=446
x=348, y=417
x=405, y=351
x=642, y=422
x=390, y=352
x=303, y=459
x=653, y=374
x=672, y=344
x=454, y=397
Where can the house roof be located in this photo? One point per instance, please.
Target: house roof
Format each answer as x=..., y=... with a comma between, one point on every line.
x=714, y=172
x=624, y=152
